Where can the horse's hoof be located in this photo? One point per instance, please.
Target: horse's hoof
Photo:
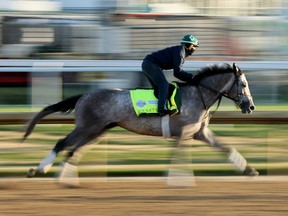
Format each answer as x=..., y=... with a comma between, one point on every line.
x=31, y=173
x=250, y=171
x=253, y=172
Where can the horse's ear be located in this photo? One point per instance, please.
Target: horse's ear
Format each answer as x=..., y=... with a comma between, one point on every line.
x=235, y=68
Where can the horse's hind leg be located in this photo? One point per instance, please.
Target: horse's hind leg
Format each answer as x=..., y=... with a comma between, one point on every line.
x=45, y=165
x=78, y=135
x=69, y=173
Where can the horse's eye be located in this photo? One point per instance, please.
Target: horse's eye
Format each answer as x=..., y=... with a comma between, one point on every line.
x=244, y=84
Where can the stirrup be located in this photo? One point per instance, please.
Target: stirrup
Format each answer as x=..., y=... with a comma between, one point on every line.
x=164, y=112
x=173, y=112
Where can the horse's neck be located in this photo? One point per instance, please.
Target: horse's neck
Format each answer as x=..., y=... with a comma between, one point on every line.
x=215, y=85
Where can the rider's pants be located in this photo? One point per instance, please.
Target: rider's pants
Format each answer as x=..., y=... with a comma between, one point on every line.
x=158, y=80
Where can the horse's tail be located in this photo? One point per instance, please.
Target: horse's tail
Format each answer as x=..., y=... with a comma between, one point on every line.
x=65, y=106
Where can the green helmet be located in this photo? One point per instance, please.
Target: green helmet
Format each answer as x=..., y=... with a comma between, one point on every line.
x=190, y=39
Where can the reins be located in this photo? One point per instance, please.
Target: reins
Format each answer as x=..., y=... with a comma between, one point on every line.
x=220, y=94
x=219, y=98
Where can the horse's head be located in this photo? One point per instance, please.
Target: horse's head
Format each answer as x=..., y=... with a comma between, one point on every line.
x=240, y=92
x=224, y=80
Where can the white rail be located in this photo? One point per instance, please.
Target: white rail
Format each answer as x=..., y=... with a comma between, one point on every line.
x=119, y=65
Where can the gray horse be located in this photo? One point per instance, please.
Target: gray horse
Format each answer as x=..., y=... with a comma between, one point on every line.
x=98, y=111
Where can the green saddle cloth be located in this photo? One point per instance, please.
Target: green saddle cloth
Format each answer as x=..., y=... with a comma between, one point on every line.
x=146, y=103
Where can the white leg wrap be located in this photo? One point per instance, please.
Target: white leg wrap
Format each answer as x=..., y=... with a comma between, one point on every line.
x=180, y=178
x=165, y=127
x=69, y=175
x=47, y=163
x=180, y=174
x=237, y=159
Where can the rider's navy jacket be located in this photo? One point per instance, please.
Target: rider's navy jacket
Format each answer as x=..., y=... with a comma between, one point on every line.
x=171, y=58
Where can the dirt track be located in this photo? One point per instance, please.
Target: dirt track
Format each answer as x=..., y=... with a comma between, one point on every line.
x=144, y=197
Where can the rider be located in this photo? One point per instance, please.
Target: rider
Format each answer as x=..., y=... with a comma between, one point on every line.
x=165, y=59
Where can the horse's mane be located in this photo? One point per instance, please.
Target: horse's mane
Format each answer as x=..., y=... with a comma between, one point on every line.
x=210, y=71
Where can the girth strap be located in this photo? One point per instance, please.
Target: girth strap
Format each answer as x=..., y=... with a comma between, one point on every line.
x=165, y=127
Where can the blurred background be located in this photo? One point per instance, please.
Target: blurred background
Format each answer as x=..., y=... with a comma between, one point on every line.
x=67, y=32
x=54, y=49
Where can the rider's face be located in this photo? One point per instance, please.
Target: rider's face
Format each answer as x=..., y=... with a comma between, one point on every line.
x=190, y=48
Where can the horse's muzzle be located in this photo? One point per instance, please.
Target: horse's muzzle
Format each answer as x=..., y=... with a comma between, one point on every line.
x=247, y=107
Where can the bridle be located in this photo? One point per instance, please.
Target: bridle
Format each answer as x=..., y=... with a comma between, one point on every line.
x=237, y=98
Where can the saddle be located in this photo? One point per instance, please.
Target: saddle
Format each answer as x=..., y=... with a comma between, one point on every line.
x=145, y=101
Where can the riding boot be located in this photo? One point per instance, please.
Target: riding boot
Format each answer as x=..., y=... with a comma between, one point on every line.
x=163, y=110
x=163, y=102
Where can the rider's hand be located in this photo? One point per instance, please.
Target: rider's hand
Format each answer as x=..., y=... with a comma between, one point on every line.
x=192, y=81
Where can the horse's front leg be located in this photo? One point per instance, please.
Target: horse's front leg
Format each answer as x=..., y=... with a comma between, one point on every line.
x=180, y=172
x=234, y=157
